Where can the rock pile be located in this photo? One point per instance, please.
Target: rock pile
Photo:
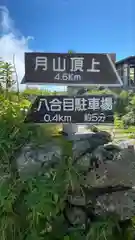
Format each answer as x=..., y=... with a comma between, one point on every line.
x=108, y=174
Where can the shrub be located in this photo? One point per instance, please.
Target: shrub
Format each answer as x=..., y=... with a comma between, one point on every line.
x=118, y=123
x=129, y=119
x=122, y=103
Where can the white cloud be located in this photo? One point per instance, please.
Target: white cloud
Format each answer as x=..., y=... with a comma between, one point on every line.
x=14, y=44
x=6, y=22
x=11, y=43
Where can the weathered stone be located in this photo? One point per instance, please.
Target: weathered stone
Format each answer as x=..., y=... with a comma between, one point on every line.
x=76, y=215
x=119, y=171
x=121, y=203
x=110, y=171
x=32, y=157
x=127, y=143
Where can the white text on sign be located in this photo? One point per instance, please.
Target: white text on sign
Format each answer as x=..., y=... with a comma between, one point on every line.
x=94, y=117
x=59, y=64
x=57, y=118
x=67, y=77
x=76, y=104
x=88, y=118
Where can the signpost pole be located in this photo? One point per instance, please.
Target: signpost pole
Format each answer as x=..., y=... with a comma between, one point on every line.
x=71, y=129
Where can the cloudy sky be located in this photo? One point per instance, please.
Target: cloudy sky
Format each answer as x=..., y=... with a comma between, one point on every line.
x=57, y=26
x=13, y=45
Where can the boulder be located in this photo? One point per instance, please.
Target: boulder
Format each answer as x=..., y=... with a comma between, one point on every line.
x=33, y=157
x=99, y=165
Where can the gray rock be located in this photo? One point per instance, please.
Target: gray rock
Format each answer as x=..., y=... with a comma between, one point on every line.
x=127, y=143
x=32, y=157
x=120, y=170
x=111, y=173
x=121, y=203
